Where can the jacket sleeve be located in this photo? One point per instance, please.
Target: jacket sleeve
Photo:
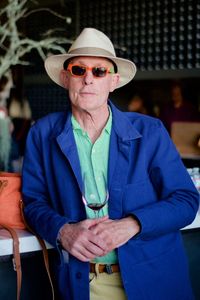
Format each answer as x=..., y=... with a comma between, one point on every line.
x=42, y=218
x=178, y=199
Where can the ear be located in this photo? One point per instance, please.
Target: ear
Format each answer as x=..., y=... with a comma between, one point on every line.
x=64, y=78
x=114, y=82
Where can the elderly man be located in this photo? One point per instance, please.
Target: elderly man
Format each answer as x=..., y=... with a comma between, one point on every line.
x=123, y=165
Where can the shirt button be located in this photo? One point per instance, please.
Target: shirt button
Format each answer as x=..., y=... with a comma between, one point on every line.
x=78, y=275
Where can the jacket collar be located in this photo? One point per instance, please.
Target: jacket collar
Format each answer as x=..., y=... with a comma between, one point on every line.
x=123, y=126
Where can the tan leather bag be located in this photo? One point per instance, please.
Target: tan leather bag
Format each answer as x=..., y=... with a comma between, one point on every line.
x=10, y=200
x=11, y=218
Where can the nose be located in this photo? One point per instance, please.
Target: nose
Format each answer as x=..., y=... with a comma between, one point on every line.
x=88, y=78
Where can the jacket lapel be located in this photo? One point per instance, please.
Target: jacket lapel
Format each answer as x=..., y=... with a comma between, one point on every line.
x=122, y=137
x=67, y=145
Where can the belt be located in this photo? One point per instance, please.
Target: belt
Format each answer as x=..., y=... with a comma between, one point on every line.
x=109, y=269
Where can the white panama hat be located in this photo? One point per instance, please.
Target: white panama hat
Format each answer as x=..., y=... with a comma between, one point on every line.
x=90, y=42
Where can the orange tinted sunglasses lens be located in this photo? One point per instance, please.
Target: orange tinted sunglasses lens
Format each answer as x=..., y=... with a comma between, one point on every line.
x=79, y=71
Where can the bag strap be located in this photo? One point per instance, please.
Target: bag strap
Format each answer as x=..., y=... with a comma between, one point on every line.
x=3, y=184
x=46, y=262
x=16, y=258
x=44, y=250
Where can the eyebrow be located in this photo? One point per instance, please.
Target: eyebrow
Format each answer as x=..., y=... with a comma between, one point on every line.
x=98, y=64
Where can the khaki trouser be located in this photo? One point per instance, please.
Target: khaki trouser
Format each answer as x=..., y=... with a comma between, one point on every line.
x=105, y=286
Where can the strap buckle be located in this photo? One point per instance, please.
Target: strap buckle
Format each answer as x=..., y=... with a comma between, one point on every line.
x=109, y=269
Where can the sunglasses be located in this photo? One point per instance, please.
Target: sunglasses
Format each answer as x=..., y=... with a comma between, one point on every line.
x=98, y=72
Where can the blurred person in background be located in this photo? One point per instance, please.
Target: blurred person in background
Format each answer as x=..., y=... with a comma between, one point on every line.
x=179, y=109
x=138, y=104
x=20, y=113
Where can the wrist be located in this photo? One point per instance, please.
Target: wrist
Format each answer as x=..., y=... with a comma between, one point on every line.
x=135, y=224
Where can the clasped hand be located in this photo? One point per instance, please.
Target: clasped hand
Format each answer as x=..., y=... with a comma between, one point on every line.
x=96, y=237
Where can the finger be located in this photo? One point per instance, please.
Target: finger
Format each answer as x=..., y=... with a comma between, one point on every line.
x=82, y=255
x=100, y=227
x=94, y=250
x=99, y=242
x=92, y=222
x=88, y=251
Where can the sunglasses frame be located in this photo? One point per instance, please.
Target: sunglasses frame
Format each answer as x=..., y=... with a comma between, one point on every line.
x=107, y=69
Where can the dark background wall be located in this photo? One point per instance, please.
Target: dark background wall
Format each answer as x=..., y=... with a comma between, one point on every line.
x=161, y=37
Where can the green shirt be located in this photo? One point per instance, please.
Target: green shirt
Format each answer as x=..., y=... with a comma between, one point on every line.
x=94, y=166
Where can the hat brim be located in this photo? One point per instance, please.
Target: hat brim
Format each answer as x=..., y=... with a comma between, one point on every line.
x=54, y=65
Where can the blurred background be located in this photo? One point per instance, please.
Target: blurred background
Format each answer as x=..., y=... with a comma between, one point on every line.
x=161, y=37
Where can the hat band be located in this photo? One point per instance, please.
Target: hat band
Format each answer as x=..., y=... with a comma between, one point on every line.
x=91, y=51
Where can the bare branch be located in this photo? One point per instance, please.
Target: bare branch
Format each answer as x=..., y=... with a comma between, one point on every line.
x=13, y=43
x=45, y=9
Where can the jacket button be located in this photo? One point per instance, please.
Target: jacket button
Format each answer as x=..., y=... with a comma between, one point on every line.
x=78, y=275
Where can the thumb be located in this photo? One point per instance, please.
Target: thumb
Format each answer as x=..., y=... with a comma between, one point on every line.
x=93, y=222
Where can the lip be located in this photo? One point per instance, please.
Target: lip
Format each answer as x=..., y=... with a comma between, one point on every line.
x=87, y=93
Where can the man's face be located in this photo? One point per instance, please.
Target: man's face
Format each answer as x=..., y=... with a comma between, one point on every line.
x=89, y=92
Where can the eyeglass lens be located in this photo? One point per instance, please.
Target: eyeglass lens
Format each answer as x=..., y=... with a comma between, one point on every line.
x=96, y=71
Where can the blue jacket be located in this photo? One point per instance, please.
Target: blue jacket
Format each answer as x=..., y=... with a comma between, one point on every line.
x=146, y=178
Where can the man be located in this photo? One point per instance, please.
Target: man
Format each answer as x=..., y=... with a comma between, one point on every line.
x=133, y=250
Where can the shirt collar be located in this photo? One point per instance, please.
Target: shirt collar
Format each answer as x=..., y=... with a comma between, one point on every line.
x=76, y=126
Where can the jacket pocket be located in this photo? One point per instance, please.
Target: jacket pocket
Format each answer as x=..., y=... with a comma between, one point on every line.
x=138, y=194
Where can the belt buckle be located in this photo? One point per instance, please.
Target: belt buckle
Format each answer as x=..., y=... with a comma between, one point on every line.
x=109, y=269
